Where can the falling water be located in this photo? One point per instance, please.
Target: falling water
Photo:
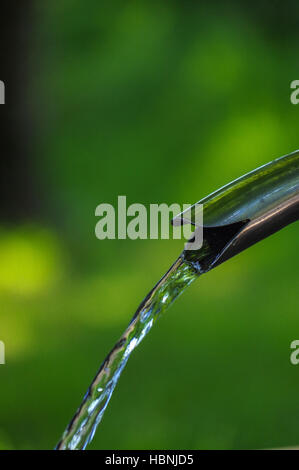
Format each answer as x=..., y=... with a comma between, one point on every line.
x=239, y=214
x=82, y=428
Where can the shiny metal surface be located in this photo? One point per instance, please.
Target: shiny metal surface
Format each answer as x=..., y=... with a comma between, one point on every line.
x=246, y=211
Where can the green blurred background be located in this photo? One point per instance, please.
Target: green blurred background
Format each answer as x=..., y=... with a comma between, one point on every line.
x=161, y=102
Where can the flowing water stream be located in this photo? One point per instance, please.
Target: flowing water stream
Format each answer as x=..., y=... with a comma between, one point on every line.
x=81, y=429
x=236, y=216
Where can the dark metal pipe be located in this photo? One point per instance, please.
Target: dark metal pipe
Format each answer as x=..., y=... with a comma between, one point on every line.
x=245, y=211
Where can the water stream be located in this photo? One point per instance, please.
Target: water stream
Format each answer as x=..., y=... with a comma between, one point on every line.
x=82, y=427
x=236, y=216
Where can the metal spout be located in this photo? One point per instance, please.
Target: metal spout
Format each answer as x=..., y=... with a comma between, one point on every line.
x=245, y=211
